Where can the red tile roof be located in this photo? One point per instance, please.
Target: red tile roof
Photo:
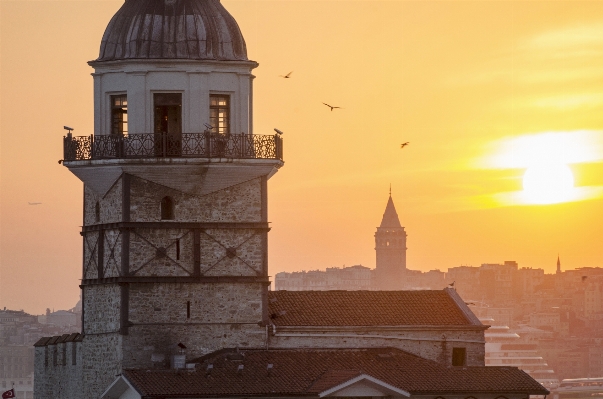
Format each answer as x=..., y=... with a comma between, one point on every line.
x=307, y=372
x=368, y=308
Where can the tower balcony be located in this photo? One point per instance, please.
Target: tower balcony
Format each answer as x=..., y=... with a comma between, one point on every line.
x=162, y=145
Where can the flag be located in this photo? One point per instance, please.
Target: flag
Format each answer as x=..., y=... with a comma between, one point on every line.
x=8, y=394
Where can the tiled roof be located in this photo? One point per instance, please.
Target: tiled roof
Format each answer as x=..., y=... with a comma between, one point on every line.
x=366, y=308
x=308, y=372
x=57, y=339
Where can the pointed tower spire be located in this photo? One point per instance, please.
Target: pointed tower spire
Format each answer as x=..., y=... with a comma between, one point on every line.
x=558, y=264
x=390, y=216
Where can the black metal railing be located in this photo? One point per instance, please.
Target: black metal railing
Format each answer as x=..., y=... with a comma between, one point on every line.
x=153, y=145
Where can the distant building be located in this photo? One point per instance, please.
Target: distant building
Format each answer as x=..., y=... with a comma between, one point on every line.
x=390, y=249
x=17, y=335
x=350, y=278
x=60, y=318
x=550, y=321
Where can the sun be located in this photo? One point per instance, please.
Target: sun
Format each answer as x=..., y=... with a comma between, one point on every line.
x=548, y=183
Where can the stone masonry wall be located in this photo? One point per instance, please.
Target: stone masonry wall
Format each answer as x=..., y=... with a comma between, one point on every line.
x=102, y=361
x=166, y=252
x=58, y=371
x=239, y=203
x=109, y=205
x=246, y=258
x=428, y=344
x=90, y=255
x=160, y=341
x=101, y=306
x=221, y=315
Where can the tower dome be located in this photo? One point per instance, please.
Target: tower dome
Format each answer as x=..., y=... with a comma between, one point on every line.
x=173, y=29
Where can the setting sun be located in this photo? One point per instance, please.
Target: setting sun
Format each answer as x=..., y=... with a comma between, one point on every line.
x=548, y=183
x=543, y=163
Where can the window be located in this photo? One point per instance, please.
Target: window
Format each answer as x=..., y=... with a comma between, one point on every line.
x=459, y=356
x=178, y=249
x=168, y=113
x=119, y=115
x=97, y=212
x=219, y=113
x=167, y=208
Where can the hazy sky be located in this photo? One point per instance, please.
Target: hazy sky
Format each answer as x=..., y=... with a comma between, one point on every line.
x=483, y=91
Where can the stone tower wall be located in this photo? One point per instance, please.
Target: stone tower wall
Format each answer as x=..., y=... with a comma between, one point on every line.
x=199, y=278
x=390, y=250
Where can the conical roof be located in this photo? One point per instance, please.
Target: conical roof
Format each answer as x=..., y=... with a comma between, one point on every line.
x=390, y=216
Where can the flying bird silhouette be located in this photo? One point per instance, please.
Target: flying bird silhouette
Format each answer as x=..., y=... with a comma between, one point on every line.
x=34, y=203
x=330, y=106
x=287, y=76
x=404, y=144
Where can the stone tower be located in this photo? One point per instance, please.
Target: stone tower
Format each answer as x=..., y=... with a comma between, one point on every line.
x=175, y=191
x=390, y=248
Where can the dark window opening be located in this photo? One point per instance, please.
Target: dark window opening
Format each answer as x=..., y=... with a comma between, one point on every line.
x=168, y=113
x=73, y=353
x=55, y=356
x=64, y=362
x=168, y=124
x=119, y=115
x=97, y=212
x=188, y=309
x=46, y=356
x=219, y=113
x=459, y=356
x=177, y=249
x=167, y=208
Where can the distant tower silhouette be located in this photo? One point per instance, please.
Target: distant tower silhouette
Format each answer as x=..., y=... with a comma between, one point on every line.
x=390, y=248
x=558, y=265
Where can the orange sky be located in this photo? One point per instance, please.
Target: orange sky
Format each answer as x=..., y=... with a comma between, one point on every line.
x=464, y=82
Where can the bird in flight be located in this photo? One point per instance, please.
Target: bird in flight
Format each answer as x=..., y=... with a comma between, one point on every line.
x=404, y=144
x=34, y=203
x=330, y=106
x=287, y=76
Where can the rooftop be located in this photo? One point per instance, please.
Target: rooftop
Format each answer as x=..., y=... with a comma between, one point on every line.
x=174, y=29
x=369, y=308
x=318, y=372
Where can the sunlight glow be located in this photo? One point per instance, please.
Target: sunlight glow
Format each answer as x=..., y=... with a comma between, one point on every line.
x=549, y=183
x=545, y=159
x=545, y=148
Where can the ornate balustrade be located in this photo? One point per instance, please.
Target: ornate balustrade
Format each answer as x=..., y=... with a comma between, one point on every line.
x=161, y=145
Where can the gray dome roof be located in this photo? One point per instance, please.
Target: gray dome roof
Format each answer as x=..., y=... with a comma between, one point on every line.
x=173, y=29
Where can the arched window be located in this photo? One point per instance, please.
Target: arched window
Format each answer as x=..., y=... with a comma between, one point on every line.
x=167, y=208
x=97, y=212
